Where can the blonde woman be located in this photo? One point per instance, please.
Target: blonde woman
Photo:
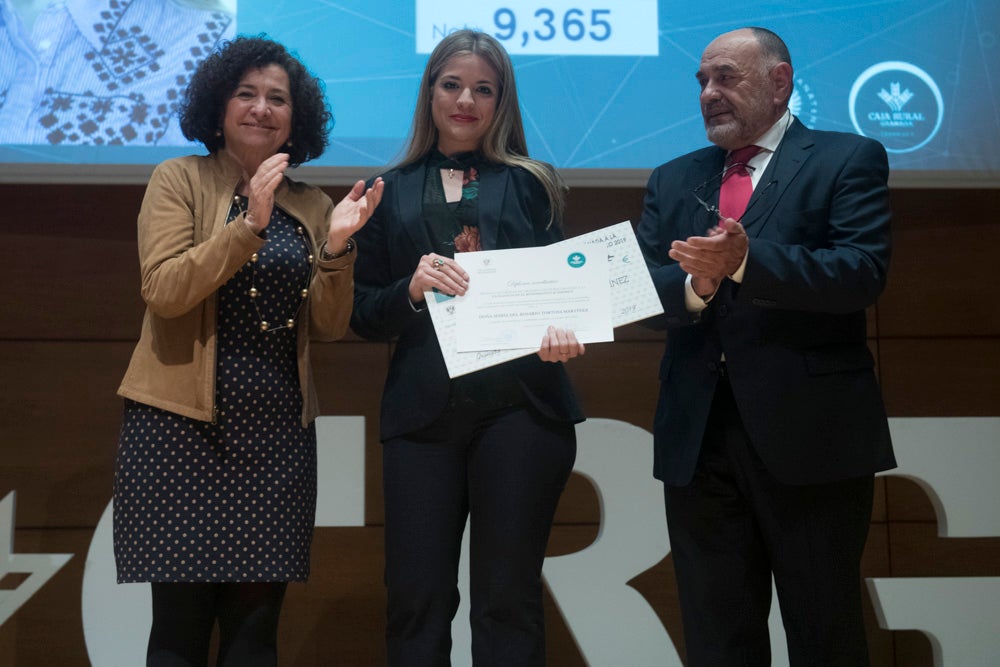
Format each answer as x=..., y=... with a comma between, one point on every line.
x=496, y=446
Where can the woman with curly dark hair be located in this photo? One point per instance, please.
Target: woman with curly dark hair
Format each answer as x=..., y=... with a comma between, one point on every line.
x=215, y=483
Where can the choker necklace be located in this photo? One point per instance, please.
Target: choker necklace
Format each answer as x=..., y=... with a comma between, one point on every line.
x=240, y=204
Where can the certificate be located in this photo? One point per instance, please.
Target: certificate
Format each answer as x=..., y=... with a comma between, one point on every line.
x=442, y=311
x=514, y=296
x=633, y=296
x=631, y=290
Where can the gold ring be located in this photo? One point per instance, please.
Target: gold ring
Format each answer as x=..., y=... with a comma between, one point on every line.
x=438, y=263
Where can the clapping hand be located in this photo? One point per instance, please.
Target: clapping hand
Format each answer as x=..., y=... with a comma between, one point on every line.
x=352, y=213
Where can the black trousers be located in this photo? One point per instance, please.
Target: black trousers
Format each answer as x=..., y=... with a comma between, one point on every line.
x=734, y=526
x=504, y=470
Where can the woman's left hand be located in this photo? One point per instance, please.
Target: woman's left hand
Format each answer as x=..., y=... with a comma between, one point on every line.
x=352, y=213
x=559, y=345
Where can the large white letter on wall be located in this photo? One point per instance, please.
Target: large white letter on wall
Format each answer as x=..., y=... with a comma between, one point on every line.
x=38, y=567
x=610, y=621
x=955, y=460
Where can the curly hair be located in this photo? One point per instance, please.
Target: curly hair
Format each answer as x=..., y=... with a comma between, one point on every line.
x=215, y=80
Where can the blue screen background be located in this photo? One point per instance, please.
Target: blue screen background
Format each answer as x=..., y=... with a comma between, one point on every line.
x=594, y=112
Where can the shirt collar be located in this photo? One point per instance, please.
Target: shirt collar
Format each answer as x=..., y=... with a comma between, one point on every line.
x=769, y=140
x=86, y=14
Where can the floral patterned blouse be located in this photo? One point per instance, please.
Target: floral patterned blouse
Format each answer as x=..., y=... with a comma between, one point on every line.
x=453, y=226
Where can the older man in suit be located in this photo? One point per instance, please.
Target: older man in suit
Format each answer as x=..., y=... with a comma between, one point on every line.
x=770, y=424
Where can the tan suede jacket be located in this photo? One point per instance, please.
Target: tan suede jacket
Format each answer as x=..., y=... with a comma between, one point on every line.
x=186, y=252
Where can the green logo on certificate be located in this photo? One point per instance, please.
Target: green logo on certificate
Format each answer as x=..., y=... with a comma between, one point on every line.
x=576, y=259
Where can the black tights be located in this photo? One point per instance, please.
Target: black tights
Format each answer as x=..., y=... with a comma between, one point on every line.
x=184, y=615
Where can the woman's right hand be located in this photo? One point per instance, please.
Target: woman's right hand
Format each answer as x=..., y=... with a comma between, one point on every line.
x=440, y=273
x=559, y=345
x=260, y=191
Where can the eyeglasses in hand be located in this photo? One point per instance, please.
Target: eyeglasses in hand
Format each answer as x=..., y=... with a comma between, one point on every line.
x=721, y=176
x=713, y=209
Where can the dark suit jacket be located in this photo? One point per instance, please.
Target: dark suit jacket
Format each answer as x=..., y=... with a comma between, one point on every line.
x=513, y=212
x=793, y=332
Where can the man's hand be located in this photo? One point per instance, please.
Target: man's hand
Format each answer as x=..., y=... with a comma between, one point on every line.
x=712, y=257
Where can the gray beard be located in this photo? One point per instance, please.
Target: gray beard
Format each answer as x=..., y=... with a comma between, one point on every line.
x=728, y=136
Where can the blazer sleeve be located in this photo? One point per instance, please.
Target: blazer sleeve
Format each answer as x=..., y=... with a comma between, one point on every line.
x=658, y=228
x=535, y=208
x=177, y=273
x=331, y=292
x=382, y=309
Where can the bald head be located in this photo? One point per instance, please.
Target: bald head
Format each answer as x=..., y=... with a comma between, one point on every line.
x=746, y=81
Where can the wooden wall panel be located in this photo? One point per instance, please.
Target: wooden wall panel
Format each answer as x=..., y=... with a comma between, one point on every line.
x=69, y=257
x=619, y=381
x=92, y=295
x=912, y=648
x=71, y=313
x=48, y=629
x=879, y=509
x=338, y=617
x=944, y=243
x=940, y=377
x=917, y=551
x=906, y=501
x=588, y=209
x=59, y=425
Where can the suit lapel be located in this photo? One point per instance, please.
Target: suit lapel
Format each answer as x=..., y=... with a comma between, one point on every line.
x=409, y=202
x=492, y=193
x=792, y=153
x=703, y=179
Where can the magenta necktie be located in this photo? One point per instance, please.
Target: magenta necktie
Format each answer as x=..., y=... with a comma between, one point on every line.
x=734, y=194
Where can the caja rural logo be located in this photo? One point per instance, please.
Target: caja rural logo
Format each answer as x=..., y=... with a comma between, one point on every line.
x=898, y=104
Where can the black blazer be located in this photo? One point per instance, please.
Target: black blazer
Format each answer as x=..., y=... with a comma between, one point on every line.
x=513, y=210
x=793, y=332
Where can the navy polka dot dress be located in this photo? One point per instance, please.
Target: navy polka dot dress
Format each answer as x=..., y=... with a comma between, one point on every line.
x=234, y=500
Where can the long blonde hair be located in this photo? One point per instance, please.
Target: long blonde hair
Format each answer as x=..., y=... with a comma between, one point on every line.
x=504, y=141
